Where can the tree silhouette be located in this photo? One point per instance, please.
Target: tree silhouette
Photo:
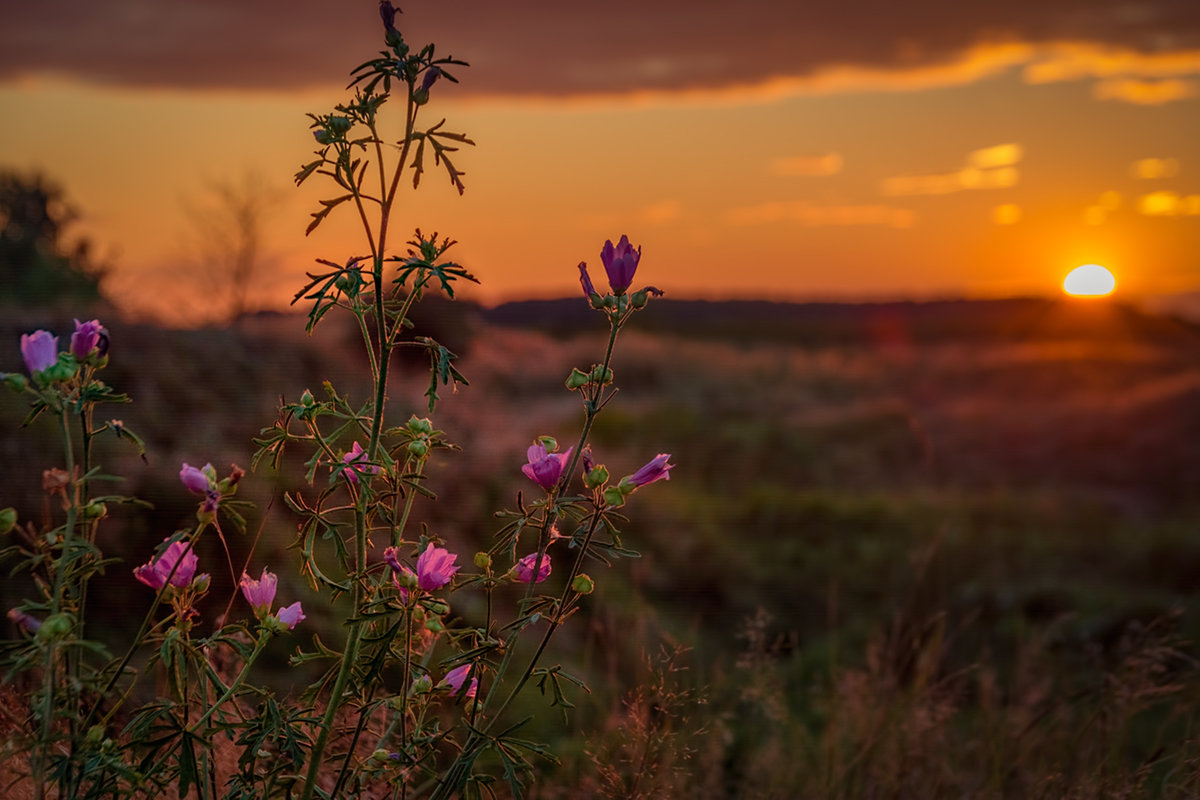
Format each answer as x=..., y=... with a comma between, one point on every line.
x=39, y=265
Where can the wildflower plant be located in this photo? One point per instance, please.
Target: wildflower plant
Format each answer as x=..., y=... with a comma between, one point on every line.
x=413, y=696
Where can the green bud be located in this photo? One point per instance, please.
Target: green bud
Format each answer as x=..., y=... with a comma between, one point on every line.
x=201, y=583
x=95, y=735
x=548, y=442
x=95, y=510
x=406, y=579
x=482, y=560
x=56, y=626
x=339, y=124
x=601, y=375
x=306, y=399
x=422, y=685
x=420, y=96
x=614, y=497
x=577, y=379
x=418, y=448
x=15, y=382
x=419, y=425
x=609, y=302
x=596, y=477
x=583, y=583
x=596, y=300
x=640, y=298
x=62, y=370
x=380, y=755
x=8, y=520
x=435, y=625
x=437, y=607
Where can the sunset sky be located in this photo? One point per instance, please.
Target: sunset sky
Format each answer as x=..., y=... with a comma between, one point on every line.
x=787, y=150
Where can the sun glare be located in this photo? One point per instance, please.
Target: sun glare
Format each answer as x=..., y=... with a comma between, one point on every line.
x=1090, y=280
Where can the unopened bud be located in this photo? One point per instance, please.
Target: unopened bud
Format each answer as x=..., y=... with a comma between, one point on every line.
x=8, y=520
x=434, y=625
x=15, y=382
x=596, y=477
x=95, y=510
x=483, y=560
x=639, y=298
x=419, y=425
x=583, y=583
x=577, y=379
x=418, y=448
x=601, y=375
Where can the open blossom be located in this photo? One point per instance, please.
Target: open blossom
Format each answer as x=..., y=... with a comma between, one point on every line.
x=435, y=567
x=455, y=677
x=39, y=350
x=259, y=593
x=88, y=336
x=157, y=572
x=525, y=567
x=655, y=470
x=544, y=468
x=291, y=615
x=620, y=262
x=355, y=463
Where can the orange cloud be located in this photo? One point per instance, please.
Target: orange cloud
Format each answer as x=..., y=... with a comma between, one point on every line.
x=1154, y=168
x=1145, y=93
x=823, y=216
x=1169, y=204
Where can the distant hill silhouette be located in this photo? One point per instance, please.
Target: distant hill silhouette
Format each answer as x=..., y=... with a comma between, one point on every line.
x=897, y=324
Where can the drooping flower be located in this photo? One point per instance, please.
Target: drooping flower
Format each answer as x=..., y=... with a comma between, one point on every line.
x=39, y=350
x=87, y=338
x=291, y=615
x=455, y=678
x=585, y=280
x=544, y=468
x=654, y=470
x=355, y=461
x=259, y=593
x=159, y=571
x=620, y=262
x=196, y=480
x=525, y=567
x=435, y=568
x=430, y=78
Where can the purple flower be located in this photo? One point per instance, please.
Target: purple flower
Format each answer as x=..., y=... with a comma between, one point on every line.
x=656, y=469
x=355, y=461
x=157, y=572
x=387, y=13
x=585, y=280
x=259, y=593
x=544, y=468
x=525, y=568
x=455, y=678
x=291, y=615
x=86, y=338
x=435, y=568
x=24, y=621
x=196, y=480
x=620, y=262
x=430, y=78
x=40, y=350
x=392, y=556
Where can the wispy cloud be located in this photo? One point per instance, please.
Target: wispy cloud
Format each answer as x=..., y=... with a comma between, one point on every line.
x=1169, y=204
x=987, y=168
x=817, y=216
x=1154, y=168
x=1145, y=92
x=807, y=166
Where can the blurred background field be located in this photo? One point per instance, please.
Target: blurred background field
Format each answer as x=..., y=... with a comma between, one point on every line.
x=915, y=549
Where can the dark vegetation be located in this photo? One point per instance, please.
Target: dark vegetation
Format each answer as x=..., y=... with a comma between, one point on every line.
x=932, y=550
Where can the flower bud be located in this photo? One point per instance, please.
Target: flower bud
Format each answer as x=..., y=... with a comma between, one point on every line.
x=482, y=560
x=420, y=96
x=8, y=520
x=56, y=626
x=596, y=477
x=640, y=298
x=379, y=755
x=601, y=375
x=63, y=369
x=548, y=442
x=577, y=379
x=422, y=685
x=418, y=448
x=613, y=496
x=438, y=607
x=434, y=625
x=306, y=399
x=15, y=381
x=583, y=583
x=95, y=735
x=95, y=510
x=419, y=425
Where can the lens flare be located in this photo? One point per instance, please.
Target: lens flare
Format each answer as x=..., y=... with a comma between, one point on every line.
x=1089, y=280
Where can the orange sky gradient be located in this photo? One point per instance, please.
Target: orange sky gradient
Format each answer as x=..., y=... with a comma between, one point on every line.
x=986, y=161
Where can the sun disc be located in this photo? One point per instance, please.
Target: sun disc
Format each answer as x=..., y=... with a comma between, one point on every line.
x=1089, y=280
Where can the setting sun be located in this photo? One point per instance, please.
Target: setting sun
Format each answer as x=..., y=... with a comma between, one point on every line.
x=1089, y=280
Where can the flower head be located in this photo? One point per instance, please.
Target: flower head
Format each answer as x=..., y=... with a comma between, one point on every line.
x=620, y=262
x=387, y=13
x=654, y=470
x=544, y=468
x=455, y=678
x=196, y=480
x=40, y=350
x=525, y=567
x=291, y=615
x=259, y=593
x=435, y=568
x=355, y=461
x=176, y=565
x=87, y=338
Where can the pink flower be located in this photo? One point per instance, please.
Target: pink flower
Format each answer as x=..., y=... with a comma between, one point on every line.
x=291, y=615
x=525, y=568
x=40, y=350
x=355, y=461
x=544, y=468
x=157, y=572
x=435, y=568
x=455, y=678
x=196, y=480
x=585, y=280
x=259, y=593
x=86, y=338
x=655, y=470
x=620, y=262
